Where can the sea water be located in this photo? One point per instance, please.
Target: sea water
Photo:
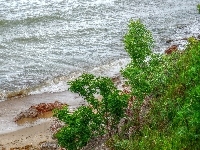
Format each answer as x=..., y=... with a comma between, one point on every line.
x=44, y=43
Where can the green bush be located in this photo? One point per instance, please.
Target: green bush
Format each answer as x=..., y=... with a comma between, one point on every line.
x=138, y=42
x=101, y=116
x=80, y=127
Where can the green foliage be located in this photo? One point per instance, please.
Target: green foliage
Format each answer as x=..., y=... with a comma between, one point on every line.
x=113, y=103
x=173, y=83
x=138, y=42
x=166, y=87
x=198, y=7
x=101, y=116
x=80, y=127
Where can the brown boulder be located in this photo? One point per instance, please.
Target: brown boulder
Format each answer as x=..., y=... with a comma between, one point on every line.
x=38, y=109
x=171, y=49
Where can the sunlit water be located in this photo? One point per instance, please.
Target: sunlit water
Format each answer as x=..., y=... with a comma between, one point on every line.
x=45, y=42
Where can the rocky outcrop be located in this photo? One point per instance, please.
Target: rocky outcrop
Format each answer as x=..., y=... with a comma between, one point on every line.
x=38, y=109
x=171, y=49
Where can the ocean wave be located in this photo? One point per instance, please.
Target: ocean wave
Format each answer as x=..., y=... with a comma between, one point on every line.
x=32, y=39
x=59, y=83
x=32, y=20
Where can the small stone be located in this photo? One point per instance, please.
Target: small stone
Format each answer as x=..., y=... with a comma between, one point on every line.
x=49, y=146
x=169, y=41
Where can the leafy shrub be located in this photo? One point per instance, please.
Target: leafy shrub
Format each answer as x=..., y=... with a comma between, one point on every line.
x=138, y=42
x=101, y=116
x=80, y=127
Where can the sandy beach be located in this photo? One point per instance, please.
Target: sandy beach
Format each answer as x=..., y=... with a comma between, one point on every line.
x=30, y=137
x=30, y=134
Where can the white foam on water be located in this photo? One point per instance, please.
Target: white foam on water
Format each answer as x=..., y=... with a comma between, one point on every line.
x=99, y=2
x=60, y=84
x=112, y=69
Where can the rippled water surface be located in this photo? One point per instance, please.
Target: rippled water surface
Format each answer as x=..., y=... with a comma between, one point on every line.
x=44, y=39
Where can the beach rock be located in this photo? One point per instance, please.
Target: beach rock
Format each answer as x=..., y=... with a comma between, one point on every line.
x=49, y=146
x=38, y=109
x=169, y=41
x=30, y=113
x=171, y=49
x=45, y=107
x=198, y=36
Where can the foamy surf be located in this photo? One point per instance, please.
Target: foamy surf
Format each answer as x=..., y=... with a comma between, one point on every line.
x=59, y=84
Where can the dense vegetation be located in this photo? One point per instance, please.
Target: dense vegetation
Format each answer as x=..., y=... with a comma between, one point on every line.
x=173, y=84
x=165, y=90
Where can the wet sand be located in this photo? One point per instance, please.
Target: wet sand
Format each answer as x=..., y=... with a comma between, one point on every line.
x=33, y=135
x=30, y=133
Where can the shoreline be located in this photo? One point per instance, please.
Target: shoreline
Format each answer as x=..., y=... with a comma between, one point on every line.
x=59, y=84
x=33, y=134
x=15, y=105
x=13, y=135
x=11, y=108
